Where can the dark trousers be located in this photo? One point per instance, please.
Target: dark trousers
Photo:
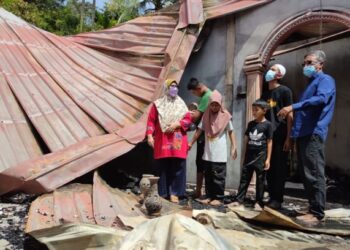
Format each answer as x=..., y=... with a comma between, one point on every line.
x=254, y=161
x=172, y=173
x=277, y=174
x=199, y=157
x=215, y=176
x=312, y=166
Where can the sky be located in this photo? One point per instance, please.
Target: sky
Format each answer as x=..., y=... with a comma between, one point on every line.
x=100, y=3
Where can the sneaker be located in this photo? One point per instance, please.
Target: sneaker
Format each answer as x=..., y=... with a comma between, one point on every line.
x=274, y=205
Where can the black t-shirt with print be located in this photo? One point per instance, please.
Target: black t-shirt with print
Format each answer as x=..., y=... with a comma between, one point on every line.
x=277, y=98
x=258, y=133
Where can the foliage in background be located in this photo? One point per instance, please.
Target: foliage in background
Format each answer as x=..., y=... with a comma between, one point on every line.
x=123, y=10
x=67, y=17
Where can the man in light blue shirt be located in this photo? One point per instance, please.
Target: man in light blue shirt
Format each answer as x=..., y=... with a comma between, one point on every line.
x=312, y=116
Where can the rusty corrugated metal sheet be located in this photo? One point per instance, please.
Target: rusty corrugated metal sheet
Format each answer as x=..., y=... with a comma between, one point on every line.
x=109, y=203
x=95, y=91
x=191, y=12
x=54, y=115
x=143, y=35
x=72, y=203
x=66, y=94
x=215, y=9
x=93, y=204
x=18, y=143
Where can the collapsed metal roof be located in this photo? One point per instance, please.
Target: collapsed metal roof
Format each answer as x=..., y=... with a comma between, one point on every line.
x=93, y=204
x=70, y=104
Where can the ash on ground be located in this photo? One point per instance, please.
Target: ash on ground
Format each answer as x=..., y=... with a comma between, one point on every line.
x=13, y=215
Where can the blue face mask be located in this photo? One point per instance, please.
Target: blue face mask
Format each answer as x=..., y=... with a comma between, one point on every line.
x=270, y=75
x=309, y=70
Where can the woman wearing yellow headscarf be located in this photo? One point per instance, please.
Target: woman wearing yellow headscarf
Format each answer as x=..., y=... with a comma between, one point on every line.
x=167, y=124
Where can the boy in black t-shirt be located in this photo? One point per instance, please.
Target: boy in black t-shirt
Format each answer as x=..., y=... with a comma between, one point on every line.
x=258, y=145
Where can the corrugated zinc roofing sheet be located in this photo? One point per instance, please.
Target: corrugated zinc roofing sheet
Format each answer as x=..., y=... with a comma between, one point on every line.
x=215, y=9
x=93, y=204
x=60, y=97
x=59, y=93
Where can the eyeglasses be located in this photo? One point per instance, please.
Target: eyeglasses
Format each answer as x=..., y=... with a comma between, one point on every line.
x=309, y=63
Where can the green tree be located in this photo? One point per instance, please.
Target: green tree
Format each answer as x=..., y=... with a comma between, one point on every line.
x=122, y=10
x=23, y=9
x=67, y=17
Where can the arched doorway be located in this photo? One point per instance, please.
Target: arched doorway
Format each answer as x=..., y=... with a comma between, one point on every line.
x=255, y=65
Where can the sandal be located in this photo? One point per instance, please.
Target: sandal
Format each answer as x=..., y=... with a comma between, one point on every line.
x=235, y=204
x=257, y=207
x=215, y=203
x=174, y=199
x=204, y=201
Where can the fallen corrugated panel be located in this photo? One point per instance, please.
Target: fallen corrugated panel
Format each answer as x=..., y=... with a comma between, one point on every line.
x=110, y=203
x=74, y=204
x=40, y=175
x=41, y=213
x=93, y=204
x=68, y=93
x=71, y=94
x=15, y=131
x=53, y=170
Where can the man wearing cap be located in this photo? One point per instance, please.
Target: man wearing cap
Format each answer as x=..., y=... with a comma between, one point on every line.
x=278, y=96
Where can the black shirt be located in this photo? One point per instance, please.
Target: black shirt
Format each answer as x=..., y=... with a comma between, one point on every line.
x=258, y=133
x=278, y=98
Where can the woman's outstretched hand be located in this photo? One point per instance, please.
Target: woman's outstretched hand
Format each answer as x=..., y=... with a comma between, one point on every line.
x=150, y=140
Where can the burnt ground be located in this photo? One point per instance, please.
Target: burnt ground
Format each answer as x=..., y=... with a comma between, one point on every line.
x=14, y=208
x=13, y=214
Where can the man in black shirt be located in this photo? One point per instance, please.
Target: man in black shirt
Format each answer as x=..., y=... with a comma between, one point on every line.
x=278, y=96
